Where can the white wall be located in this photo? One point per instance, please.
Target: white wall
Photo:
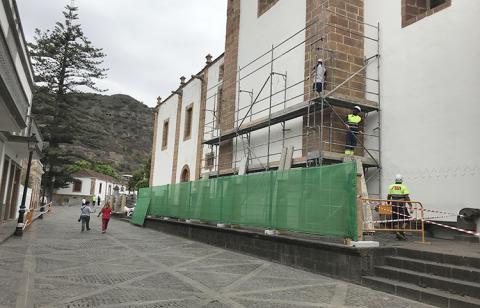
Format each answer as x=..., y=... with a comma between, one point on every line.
x=85, y=191
x=16, y=51
x=163, y=163
x=430, y=93
x=257, y=35
x=187, y=149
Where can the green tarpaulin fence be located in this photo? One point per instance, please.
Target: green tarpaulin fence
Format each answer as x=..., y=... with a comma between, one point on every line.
x=319, y=200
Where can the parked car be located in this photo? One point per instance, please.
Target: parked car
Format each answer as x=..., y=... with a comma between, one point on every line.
x=129, y=210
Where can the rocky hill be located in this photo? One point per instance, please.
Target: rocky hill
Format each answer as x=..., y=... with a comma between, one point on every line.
x=115, y=129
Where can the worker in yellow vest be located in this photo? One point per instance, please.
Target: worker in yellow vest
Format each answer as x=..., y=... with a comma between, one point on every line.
x=94, y=198
x=398, y=191
x=353, y=123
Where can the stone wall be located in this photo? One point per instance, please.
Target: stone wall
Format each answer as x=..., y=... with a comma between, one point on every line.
x=336, y=38
x=227, y=105
x=415, y=10
x=265, y=5
x=177, y=138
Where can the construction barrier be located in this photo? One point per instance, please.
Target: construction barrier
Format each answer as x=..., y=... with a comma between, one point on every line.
x=320, y=200
x=394, y=216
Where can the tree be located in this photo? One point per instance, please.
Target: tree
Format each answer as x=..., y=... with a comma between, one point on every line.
x=107, y=170
x=64, y=59
x=64, y=62
x=99, y=167
x=140, y=178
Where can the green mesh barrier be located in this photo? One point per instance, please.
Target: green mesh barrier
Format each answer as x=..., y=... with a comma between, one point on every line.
x=310, y=200
x=142, y=207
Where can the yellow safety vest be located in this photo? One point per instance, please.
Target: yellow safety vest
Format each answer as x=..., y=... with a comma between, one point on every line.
x=353, y=121
x=398, y=190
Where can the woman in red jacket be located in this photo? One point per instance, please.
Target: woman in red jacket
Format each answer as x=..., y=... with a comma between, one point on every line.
x=105, y=211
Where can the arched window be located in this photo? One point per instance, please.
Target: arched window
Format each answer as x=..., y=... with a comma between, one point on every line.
x=185, y=175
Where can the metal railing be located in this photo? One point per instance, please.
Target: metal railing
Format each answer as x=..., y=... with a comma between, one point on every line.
x=382, y=215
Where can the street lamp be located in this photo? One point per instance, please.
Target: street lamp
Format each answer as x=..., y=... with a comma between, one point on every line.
x=32, y=144
x=42, y=203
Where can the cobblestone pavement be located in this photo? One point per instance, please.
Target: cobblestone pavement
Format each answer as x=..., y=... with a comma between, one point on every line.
x=55, y=265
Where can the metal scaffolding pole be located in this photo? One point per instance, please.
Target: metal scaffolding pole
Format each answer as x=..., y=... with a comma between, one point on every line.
x=270, y=110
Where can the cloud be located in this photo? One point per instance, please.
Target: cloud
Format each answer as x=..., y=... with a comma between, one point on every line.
x=149, y=43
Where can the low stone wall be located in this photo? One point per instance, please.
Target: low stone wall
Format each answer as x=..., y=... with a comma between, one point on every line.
x=335, y=260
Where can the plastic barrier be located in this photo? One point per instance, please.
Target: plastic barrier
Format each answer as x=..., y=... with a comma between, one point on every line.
x=318, y=200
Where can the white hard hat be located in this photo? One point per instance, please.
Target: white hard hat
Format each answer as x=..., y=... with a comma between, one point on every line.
x=320, y=60
x=358, y=108
x=398, y=178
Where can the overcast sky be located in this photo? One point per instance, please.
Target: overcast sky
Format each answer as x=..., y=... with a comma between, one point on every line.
x=149, y=43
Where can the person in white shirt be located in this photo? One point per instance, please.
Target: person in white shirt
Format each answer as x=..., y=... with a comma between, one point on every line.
x=320, y=76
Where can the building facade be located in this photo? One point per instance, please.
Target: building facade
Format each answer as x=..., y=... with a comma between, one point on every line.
x=17, y=127
x=403, y=62
x=88, y=185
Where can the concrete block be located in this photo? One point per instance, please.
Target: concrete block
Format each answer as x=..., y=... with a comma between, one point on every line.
x=362, y=244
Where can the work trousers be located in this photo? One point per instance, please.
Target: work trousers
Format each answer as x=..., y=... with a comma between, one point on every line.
x=351, y=140
x=85, y=222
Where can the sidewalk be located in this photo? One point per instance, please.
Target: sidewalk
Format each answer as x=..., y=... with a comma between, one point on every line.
x=54, y=264
x=7, y=229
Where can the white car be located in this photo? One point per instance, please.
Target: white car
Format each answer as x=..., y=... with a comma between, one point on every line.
x=129, y=211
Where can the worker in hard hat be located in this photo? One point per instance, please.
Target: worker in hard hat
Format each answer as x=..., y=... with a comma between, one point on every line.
x=353, y=123
x=320, y=76
x=398, y=191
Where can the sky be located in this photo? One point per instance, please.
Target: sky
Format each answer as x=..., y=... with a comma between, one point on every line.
x=149, y=43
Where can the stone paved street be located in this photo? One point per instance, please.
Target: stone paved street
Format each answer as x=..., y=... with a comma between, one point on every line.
x=55, y=265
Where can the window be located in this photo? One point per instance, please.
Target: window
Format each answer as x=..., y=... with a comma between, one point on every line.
x=265, y=5
x=188, y=122
x=77, y=186
x=165, y=135
x=185, y=175
x=414, y=10
x=100, y=188
x=221, y=71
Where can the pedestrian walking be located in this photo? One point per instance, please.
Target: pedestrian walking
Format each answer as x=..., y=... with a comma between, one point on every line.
x=85, y=212
x=105, y=211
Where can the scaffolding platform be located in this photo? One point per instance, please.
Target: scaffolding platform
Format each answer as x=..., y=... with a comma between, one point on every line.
x=328, y=157
x=293, y=112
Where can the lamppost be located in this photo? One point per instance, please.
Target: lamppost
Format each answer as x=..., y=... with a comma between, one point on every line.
x=32, y=143
x=42, y=203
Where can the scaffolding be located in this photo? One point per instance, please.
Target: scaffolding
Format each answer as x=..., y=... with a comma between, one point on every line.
x=268, y=107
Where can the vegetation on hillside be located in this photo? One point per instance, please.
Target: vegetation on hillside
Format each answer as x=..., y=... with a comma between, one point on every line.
x=140, y=178
x=99, y=167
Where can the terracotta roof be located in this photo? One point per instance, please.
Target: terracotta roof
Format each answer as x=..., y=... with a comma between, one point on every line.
x=93, y=174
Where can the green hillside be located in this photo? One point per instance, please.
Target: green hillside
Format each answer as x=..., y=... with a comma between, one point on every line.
x=115, y=129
